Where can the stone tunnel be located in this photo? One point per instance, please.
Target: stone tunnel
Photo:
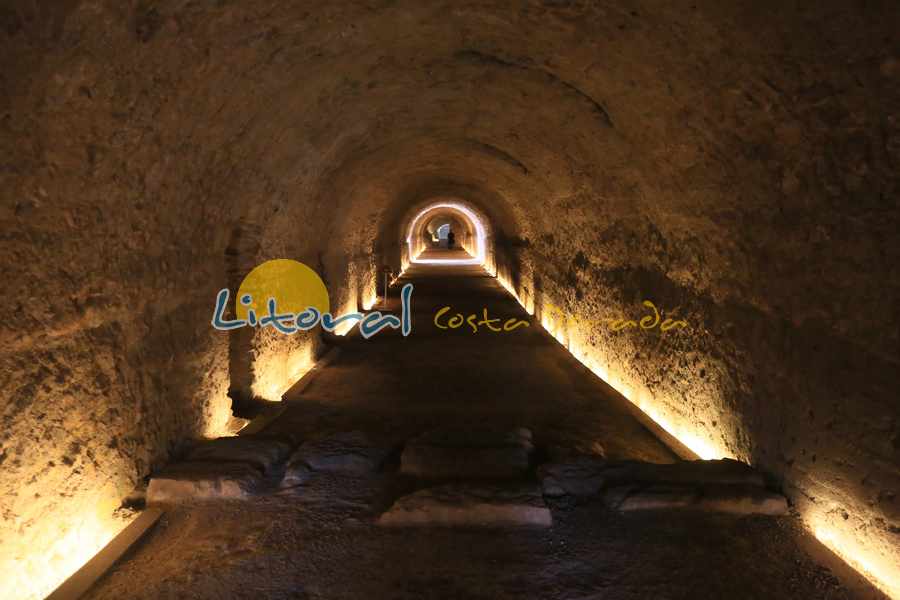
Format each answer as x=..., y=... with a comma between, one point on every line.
x=657, y=358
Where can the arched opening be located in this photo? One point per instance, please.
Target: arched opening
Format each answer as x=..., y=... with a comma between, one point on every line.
x=471, y=234
x=443, y=232
x=158, y=151
x=449, y=232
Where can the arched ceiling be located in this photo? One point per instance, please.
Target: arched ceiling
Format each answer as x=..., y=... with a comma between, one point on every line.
x=738, y=159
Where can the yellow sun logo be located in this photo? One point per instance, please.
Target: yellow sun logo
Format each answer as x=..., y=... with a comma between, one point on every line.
x=294, y=286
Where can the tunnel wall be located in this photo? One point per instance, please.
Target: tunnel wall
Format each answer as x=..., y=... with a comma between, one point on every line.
x=116, y=220
x=734, y=163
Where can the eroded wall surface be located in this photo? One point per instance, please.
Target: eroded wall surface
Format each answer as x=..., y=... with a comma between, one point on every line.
x=734, y=163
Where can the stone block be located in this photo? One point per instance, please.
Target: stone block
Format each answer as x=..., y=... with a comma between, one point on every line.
x=470, y=505
x=190, y=481
x=688, y=472
x=578, y=476
x=348, y=452
x=468, y=454
x=262, y=453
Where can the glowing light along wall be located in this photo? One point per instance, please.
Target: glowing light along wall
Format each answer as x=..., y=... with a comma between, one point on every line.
x=360, y=292
x=279, y=363
x=282, y=360
x=480, y=236
x=67, y=544
x=872, y=562
x=867, y=559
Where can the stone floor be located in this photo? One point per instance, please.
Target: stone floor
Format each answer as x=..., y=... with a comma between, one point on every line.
x=454, y=464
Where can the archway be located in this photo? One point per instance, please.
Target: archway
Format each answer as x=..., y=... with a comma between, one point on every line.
x=475, y=244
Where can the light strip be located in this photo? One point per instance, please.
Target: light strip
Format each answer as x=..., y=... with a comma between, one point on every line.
x=480, y=236
x=864, y=562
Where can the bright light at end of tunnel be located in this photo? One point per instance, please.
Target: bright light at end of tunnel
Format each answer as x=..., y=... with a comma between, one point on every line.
x=480, y=235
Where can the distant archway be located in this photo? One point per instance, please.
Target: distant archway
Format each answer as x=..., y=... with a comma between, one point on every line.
x=467, y=215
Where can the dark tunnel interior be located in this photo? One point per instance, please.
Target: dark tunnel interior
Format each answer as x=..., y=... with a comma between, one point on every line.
x=674, y=270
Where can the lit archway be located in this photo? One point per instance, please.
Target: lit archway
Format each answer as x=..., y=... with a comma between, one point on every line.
x=469, y=215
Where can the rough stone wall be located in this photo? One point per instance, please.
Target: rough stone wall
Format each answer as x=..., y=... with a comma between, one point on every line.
x=120, y=188
x=736, y=163
x=771, y=228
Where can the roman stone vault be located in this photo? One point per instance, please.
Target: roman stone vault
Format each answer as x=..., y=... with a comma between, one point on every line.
x=734, y=162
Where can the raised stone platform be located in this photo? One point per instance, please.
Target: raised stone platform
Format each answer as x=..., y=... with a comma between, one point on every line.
x=743, y=500
x=190, y=481
x=577, y=476
x=262, y=453
x=346, y=452
x=689, y=472
x=712, y=485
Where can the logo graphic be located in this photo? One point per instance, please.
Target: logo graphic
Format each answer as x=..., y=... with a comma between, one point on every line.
x=291, y=297
x=456, y=321
x=618, y=324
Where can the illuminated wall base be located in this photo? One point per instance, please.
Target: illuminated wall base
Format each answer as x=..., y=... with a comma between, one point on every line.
x=70, y=541
x=870, y=557
x=279, y=364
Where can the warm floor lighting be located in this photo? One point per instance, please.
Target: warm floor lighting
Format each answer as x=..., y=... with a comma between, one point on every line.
x=527, y=304
x=873, y=567
x=277, y=370
x=35, y=577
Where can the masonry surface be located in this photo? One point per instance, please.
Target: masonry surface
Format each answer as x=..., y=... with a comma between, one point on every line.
x=735, y=163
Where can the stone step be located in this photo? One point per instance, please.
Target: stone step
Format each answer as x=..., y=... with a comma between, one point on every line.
x=262, y=453
x=470, y=505
x=744, y=500
x=628, y=498
x=346, y=452
x=697, y=472
x=711, y=485
x=735, y=499
x=587, y=475
x=578, y=476
x=191, y=481
x=469, y=453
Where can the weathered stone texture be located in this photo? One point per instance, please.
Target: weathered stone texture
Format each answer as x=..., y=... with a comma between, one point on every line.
x=734, y=162
x=469, y=505
x=468, y=453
